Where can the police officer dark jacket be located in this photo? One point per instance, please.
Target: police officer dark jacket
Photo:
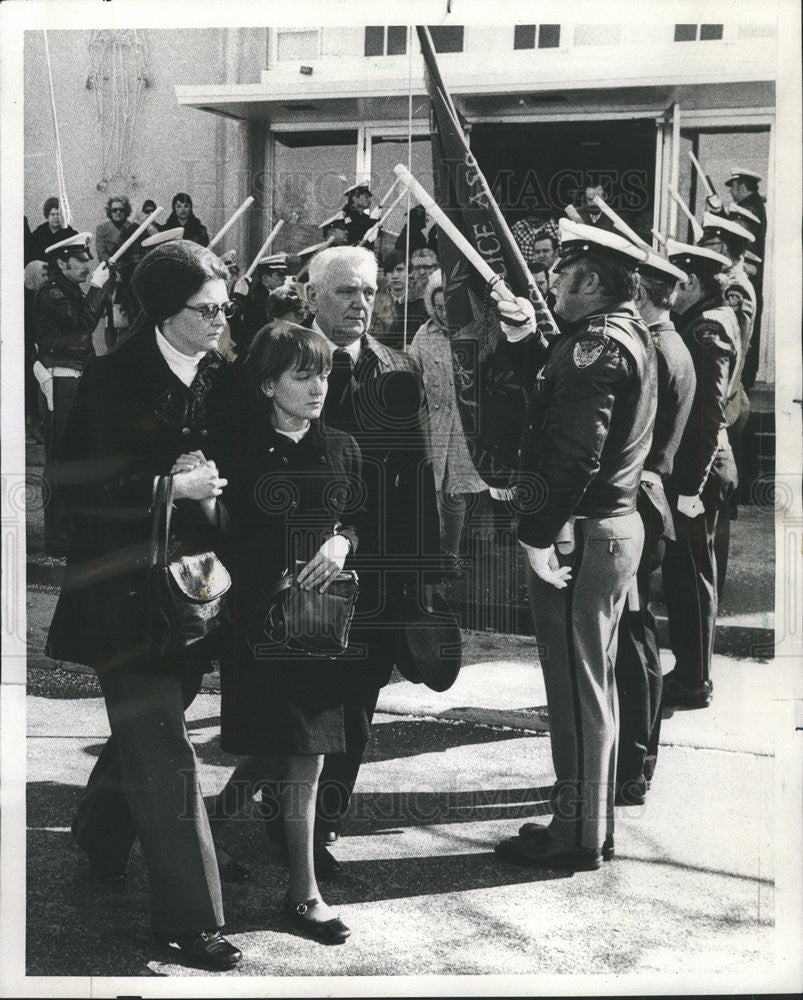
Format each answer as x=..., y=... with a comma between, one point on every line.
x=601, y=375
x=65, y=318
x=676, y=381
x=711, y=334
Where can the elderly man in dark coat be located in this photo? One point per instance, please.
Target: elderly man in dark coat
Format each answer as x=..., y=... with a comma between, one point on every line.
x=155, y=407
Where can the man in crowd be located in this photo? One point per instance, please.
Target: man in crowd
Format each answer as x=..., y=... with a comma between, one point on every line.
x=589, y=431
x=251, y=296
x=704, y=475
x=743, y=184
x=64, y=320
x=638, y=665
x=375, y=393
x=525, y=232
x=394, y=313
x=545, y=248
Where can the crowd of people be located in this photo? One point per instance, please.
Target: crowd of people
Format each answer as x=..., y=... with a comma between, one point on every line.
x=306, y=418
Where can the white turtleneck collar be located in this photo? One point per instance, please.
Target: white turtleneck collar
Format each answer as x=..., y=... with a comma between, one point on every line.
x=183, y=366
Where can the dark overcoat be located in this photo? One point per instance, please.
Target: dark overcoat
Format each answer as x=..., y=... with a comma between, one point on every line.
x=131, y=419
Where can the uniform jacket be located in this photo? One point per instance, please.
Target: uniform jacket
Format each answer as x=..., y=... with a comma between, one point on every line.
x=591, y=417
x=357, y=223
x=131, y=419
x=739, y=294
x=711, y=334
x=64, y=320
x=676, y=384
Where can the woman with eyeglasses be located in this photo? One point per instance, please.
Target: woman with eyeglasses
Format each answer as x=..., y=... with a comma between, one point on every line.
x=109, y=236
x=296, y=501
x=157, y=406
x=183, y=215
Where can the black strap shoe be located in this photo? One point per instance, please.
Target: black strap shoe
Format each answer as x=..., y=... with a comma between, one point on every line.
x=208, y=948
x=332, y=931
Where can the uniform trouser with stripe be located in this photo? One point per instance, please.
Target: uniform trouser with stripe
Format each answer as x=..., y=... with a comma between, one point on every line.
x=57, y=527
x=691, y=577
x=576, y=630
x=145, y=785
x=639, y=679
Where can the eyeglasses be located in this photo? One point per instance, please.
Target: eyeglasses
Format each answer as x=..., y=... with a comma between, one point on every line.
x=117, y=208
x=211, y=309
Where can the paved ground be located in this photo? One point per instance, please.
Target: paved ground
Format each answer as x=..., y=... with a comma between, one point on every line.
x=690, y=894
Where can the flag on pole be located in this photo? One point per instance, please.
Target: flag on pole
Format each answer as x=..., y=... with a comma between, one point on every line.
x=491, y=397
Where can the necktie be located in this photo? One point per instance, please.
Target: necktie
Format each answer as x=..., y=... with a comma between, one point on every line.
x=339, y=384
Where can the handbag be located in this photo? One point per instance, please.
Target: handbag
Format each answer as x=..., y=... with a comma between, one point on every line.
x=429, y=649
x=308, y=621
x=186, y=596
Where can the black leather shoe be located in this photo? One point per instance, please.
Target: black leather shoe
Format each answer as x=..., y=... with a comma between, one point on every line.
x=536, y=830
x=631, y=793
x=332, y=931
x=208, y=948
x=543, y=851
x=326, y=866
x=679, y=696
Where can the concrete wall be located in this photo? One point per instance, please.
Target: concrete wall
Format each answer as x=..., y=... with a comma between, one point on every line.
x=174, y=149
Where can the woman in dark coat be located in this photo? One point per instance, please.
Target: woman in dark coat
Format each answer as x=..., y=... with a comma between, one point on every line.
x=183, y=215
x=155, y=407
x=295, y=503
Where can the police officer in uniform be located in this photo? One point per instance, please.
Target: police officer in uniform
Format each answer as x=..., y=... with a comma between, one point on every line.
x=704, y=475
x=638, y=665
x=743, y=184
x=64, y=320
x=590, y=426
x=356, y=212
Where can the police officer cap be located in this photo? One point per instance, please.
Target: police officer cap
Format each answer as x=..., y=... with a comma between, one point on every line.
x=720, y=225
x=166, y=236
x=742, y=173
x=273, y=262
x=338, y=220
x=742, y=213
x=73, y=246
x=688, y=257
x=309, y=251
x=751, y=258
x=578, y=240
x=359, y=186
x=656, y=266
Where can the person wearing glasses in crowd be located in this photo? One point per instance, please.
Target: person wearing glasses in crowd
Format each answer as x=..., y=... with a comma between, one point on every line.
x=157, y=406
x=109, y=236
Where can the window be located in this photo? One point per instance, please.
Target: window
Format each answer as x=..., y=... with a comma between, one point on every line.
x=292, y=45
x=548, y=36
x=688, y=32
x=381, y=41
x=447, y=38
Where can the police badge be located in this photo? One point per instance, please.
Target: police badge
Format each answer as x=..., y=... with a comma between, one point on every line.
x=586, y=352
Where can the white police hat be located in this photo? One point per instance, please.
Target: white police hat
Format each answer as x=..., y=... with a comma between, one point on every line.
x=659, y=267
x=364, y=185
x=166, y=236
x=740, y=173
x=580, y=240
x=73, y=246
x=684, y=255
x=715, y=225
x=274, y=261
x=734, y=209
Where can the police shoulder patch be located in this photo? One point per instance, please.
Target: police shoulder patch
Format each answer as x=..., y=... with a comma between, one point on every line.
x=587, y=350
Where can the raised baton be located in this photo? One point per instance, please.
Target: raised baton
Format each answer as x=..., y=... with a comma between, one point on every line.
x=118, y=253
x=263, y=248
x=219, y=236
x=453, y=233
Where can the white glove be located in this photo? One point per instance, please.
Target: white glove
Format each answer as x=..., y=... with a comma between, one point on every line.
x=516, y=318
x=241, y=286
x=100, y=275
x=690, y=506
x=500, y=494
x=545, y=566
